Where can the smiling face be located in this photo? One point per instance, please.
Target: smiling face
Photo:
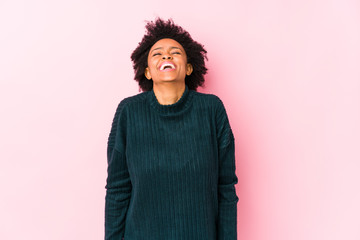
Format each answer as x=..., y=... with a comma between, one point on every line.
x=167, y=61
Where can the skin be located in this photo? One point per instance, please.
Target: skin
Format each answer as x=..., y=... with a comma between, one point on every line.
x=168, y=86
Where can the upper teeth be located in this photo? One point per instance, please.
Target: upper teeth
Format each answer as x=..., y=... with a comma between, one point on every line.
x=165, y=65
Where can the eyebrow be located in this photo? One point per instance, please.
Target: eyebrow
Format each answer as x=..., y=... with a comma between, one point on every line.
x=162, y=48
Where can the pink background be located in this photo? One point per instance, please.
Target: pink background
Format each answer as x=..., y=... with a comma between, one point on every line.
x=287, y=71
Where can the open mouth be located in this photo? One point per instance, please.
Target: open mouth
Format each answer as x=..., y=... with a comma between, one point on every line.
x=167, y=66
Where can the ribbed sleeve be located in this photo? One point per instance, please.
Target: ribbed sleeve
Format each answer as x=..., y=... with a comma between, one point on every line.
x=171, y=170
x=118, y=185
x=227, y=218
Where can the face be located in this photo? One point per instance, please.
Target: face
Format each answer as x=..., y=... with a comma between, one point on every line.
x=167, y=62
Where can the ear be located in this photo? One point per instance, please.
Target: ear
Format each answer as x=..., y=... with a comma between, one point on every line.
x=147, y=73
x=189, y=69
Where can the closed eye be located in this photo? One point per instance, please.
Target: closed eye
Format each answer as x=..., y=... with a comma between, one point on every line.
x=176, y=53
x=156, y=54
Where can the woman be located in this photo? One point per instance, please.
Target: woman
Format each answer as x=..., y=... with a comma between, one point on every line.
x=171, y=161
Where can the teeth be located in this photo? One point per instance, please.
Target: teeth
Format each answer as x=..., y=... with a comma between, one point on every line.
x=167, y=65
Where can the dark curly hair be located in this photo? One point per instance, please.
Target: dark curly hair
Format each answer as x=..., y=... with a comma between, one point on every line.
x=196, y=54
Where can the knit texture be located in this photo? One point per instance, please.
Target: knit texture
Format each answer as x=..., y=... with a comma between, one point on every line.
x=171, y=170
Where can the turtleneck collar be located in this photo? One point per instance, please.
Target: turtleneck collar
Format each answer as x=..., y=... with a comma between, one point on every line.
x=172, y=109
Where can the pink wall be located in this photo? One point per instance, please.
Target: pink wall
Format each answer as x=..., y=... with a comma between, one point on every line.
x=287, y=71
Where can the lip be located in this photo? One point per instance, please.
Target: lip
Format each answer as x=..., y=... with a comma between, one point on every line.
x=167, y=69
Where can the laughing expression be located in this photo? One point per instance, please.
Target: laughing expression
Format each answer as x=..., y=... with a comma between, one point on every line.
x=167, y=61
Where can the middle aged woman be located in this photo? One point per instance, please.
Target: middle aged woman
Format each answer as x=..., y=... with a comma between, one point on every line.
x=171, y=150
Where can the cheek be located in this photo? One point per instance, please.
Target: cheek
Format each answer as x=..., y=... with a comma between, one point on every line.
x=185, y=60
x=151, y=65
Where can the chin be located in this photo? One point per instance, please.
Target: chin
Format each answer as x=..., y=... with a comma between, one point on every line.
x=167, y=80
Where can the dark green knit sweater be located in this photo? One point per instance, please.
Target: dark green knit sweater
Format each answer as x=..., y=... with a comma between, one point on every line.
x=171, y=170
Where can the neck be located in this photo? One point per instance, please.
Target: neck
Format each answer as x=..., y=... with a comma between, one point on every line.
x=167, y=94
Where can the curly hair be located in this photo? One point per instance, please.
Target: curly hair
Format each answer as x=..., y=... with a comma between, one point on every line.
x=196, y=54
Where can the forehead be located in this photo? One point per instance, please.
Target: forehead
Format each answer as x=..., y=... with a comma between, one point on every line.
x=166, y=42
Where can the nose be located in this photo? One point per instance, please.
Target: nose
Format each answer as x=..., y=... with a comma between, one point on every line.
x=167, y=56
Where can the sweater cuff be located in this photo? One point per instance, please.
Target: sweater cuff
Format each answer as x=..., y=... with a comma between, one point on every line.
x=227, y=215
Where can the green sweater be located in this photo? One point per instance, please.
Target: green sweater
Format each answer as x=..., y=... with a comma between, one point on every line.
x=171, y=170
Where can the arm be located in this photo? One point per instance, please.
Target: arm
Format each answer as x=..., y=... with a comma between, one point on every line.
x=118, y=185
x=227, y=215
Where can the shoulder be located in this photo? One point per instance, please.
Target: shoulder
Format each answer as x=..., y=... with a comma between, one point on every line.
x=127, y=101
x=120, y=116
x=211, y=99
